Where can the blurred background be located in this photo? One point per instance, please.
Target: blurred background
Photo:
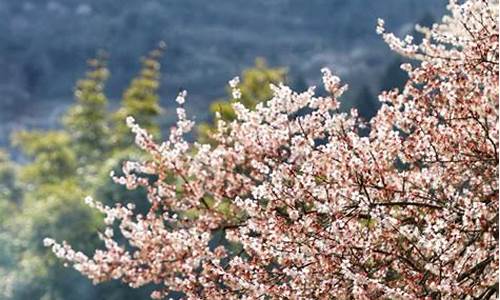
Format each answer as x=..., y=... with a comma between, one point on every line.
x=72, y=70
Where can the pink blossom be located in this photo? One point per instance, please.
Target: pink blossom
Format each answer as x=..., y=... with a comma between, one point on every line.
x=408, y=212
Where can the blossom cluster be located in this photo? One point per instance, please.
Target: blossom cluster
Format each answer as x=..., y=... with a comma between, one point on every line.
x=319, y=208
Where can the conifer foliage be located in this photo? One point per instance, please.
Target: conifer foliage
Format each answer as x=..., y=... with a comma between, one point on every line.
x=253, y=89
x=42, y=196
x=141, y=99
x=87, y=121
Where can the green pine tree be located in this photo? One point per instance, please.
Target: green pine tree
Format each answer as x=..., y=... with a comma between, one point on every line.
x=140, y=100
x=10, y=191
x=254, y=87
x=52, y=156
x=62, y=167
x=86, y=121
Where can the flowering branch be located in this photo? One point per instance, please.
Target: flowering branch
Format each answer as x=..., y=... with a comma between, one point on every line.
x=408, y=212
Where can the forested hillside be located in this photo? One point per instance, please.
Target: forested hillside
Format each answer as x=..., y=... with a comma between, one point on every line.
x=44, y=46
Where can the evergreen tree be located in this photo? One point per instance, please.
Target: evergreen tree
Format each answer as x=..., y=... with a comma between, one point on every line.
x=10, y=191
x=86, y=121
x=141, y=99
x=254, y=88
x=52, y=204
x=60, y=165
x=52, y=157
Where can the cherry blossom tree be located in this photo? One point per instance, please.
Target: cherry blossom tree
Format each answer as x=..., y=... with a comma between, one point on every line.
x=318, y=208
